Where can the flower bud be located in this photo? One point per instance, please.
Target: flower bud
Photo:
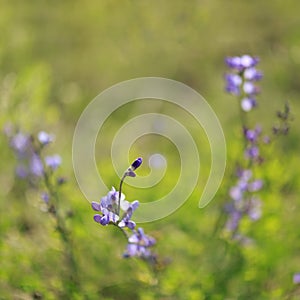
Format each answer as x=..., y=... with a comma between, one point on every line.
x=136, y=163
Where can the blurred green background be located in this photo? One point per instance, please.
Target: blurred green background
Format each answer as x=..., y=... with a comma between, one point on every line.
x=55, y=57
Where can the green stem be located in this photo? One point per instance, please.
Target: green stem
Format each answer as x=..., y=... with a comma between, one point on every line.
x=64, y=234
x=120, y=192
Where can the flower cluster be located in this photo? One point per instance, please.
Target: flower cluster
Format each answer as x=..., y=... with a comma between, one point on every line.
x=108, y=206
x=241, y=81
x=32, y=165
x=139, y=244
x=243, y=200
x=115, y=210
x=253, y=139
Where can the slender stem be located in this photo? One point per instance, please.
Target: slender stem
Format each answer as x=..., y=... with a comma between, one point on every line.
x=64, y=234
x=120, y=191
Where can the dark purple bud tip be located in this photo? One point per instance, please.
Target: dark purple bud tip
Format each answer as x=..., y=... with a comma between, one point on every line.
x=136, y=163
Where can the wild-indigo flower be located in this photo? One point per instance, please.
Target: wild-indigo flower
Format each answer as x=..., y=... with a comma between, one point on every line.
x=32, y=165
x=253, y=208
x=233, y=83
x=45, y=197
x=138, y=245
x=22, y=171
x=45, y=138
x=115, y=210
x=253, y=137
x=252, y=134
x=296, y=278
x=126, y=218
x=53, y=161
x=242, y=62
x=20, y=142
x=241, y=81
x=36, y=165
x=243, y=202
x=108, y=206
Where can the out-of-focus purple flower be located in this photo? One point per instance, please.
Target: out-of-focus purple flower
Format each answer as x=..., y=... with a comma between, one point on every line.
x=242, y=62
x=241, y=81
x=243, y=202
x=45, y=138
x=252, y=135
x=233, y=220
x=20, y=143
x=253, y=74
x=21, y=171
x=254, y=208
x=233, y=83
x=255, y=185
x=249, y=88
x=36, y=165
x=244, y=174
x=253, y=138
x=138, y=245
x=266, y=139
x=53, y=161
x=236, y=193
x=248, y=61
x=248, y=103
x=296, y=278
x=45, y=197
x=252, y=152
x=233, y=62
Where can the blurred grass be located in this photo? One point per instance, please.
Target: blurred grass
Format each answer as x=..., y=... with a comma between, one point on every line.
x=55, y=58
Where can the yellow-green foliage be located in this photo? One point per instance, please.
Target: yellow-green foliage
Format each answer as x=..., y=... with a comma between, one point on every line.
x=55, y=57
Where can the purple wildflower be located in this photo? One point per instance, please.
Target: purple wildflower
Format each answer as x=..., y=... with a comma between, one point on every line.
x=254, y=208
x=45, y=197
x=296, y=278
x=241, y=63
x=53, y=161
x=126, y=219
x=243, y=202
x=248, y=103
x=253, y=137
x=138, y=245
x=252, y=134
x=108, y=206
x=233, y=83
x=253, y=74
x=45, y=138
x=21, y=171
x=252, y=152
x=36, y=165
x=240, y=82
x=20, y=143
x=233, y=220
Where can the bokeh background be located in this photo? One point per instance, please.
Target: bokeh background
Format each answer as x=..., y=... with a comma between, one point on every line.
x=56, y=57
